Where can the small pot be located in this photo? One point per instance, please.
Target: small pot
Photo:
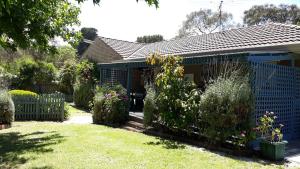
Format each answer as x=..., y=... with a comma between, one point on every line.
x=273, y=150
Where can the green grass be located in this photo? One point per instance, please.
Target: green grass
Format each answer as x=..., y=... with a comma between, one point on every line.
x=74, y=111
x=50, y=145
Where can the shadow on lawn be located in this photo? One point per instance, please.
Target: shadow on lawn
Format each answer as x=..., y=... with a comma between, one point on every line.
x=173, y=144
x=168, y=144
x=14, y=144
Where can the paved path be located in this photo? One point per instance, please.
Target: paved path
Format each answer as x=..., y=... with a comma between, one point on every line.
x=293, y=153
x=82, y=119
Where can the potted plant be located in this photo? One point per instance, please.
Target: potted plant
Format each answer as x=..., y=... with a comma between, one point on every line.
x=271, y=146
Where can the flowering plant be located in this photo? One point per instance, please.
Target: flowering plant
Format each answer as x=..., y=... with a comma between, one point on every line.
x=110, y=105
x=267, y=130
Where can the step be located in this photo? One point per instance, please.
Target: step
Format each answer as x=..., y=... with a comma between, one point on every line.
x=132, y=129
x=135, y=118
x=135, y=124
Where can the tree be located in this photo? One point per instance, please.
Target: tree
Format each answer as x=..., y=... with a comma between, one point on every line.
x=260, y=14
x=63, y=54
x=150, y=2
x=205, y=21
x=89, y=34
x=149, y=38
x=32, y=24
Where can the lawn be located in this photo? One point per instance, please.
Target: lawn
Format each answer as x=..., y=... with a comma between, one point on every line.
x=74, y=111
x=56, y=145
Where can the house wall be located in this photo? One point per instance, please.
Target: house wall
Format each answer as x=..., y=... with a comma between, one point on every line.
x=100, y=52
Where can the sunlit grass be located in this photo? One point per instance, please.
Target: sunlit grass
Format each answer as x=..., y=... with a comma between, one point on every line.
x=61, y=146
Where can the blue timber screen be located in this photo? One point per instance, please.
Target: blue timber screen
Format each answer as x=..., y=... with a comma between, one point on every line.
x=277, y=89
x=113, y=76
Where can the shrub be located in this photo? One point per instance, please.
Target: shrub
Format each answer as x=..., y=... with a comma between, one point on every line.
x=85, y=72
x=83, y=94
x=36, y=76
x=5, y=78
x=44, y=78
x=7, y=108
x=150, y=107
x=110, y=106
x=67, y=78
x=22, y=93
x=173, y=92
x=66, y=111
x=26, y=73
x=225, y=108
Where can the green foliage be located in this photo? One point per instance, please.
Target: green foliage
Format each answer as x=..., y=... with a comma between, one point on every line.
x=22, y=93
x=7, y=108
x=149, y=2
x=173, y=92
x=261, y=14
x=67, y=112
x=67, y=77
x=204, y=21
x=85, y=72
x=150, y=107
x=83, y=94
x=63, y=54
x=225, y=108
x=45, y=75
x=110, y=105
x=150, y=39
x=36, y=76
x=5, y=78
x=32, y=24
x=267, y=130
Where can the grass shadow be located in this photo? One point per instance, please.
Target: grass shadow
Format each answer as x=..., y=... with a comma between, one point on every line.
x=169, y=141
x=168, y=144
x=14, y=144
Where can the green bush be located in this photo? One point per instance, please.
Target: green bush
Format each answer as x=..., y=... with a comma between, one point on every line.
x=67, y=78
x=225, y=108
x=83, y=94
x=66, y=111
x=5, y=78
x=45, y=77
x=150, y=107
x=7, y=108
x=110, y=106
x=22, y=93
x=85, y=72
x=36, y=76
x=173, y=92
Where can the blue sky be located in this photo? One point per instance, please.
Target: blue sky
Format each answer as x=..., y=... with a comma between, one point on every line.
x=126, y=19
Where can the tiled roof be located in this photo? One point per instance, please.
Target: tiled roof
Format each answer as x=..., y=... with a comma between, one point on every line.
x=244, y=38
x=124, y=48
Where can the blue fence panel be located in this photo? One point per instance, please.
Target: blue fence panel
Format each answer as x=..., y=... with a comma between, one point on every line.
x=113, y=76
x=277, y=89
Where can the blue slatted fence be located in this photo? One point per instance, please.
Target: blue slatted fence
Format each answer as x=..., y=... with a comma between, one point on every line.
x=277, y=88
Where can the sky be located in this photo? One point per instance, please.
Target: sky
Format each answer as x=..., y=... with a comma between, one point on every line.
x=127, y=19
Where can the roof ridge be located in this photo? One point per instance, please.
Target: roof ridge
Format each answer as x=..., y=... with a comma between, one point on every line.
x=120, y=40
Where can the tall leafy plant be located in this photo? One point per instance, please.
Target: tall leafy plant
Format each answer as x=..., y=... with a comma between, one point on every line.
x=173, y=91
x=84, y=86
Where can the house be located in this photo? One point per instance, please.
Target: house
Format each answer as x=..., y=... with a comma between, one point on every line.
x=273, y=51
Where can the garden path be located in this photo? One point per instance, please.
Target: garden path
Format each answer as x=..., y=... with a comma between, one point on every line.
x=78, y=116
x=293, y=153
x=87, y=119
